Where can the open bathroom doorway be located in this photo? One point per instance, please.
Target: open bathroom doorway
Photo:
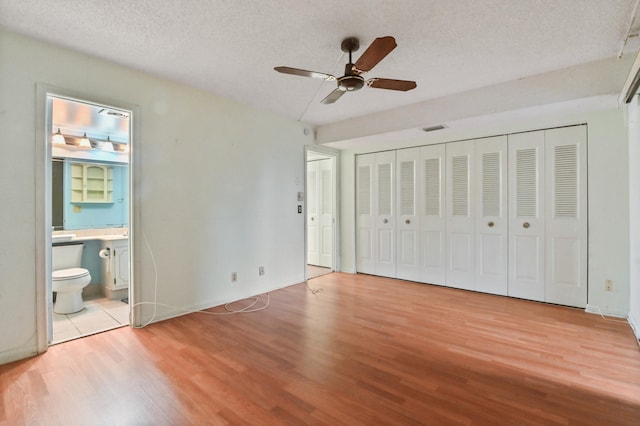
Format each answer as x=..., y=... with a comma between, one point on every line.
x=87, y=201
x=321, y=224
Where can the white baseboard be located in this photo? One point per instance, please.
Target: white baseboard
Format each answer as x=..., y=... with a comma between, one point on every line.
x=165, y=313
x=18, y=354
x=635, y=325
x=595, y=309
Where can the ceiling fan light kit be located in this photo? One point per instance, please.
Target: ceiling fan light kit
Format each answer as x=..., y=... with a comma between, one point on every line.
x=352, y=80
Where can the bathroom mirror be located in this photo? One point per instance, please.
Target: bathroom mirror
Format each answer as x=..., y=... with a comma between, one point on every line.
x=89, y=194
x=90, y=170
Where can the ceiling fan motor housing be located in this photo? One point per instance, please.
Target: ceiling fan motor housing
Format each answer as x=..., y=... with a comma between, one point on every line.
x=351, y=80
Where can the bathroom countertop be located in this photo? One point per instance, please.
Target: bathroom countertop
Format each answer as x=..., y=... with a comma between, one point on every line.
x=102, y=238
x=106, y=234
x=113, y=237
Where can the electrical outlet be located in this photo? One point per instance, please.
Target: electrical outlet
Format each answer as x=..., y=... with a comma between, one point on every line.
x=234, y=277
x=608, y=285
x=261, y=270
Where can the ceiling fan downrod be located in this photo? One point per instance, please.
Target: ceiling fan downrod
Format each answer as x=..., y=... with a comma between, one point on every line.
x=352, y=80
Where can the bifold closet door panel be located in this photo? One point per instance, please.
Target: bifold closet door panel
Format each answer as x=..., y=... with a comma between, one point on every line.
x=384, y=207
x=566, y=228
x=365, y=247
x=527, y=216
x=490, y=188
x=313, y=252
x=461, y=269
x=433, y=220
x=375, y=228
x=407, y=263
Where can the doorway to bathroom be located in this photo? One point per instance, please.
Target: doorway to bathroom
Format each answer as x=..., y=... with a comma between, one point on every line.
x=87, y=206
x=321, y=207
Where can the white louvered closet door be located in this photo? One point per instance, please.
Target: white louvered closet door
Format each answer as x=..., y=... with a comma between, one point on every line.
x=460, y=216
x=384, y=209
x=407, y=267
x=491, y=215
x=365, y=221
x=375, y=205
x=325, y=212
x=566, y=230
x=313, y=254
x=433, y=220
x=526, y=216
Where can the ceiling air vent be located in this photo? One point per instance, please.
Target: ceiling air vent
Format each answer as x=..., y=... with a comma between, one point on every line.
x=434, y=128
x=113, y=113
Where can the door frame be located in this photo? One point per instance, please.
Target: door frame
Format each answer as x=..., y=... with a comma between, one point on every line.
x=334, y=155
x=43, y=155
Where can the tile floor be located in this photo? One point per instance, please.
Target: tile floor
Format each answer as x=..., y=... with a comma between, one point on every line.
x=98, y=315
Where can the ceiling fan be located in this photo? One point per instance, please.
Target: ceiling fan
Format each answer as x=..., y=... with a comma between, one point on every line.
x=352, y=79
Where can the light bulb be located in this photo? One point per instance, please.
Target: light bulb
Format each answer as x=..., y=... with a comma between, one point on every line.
x=84, y=142
x=108, y=146
x=58, y=138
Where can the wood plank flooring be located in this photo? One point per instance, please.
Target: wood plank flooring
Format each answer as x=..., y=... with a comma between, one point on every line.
x=366, y=350
x=314, y=271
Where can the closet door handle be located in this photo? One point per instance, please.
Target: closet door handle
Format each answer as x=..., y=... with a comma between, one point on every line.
x=490, y=224
x=407, y=221
x=526, y=225
x=385, y=221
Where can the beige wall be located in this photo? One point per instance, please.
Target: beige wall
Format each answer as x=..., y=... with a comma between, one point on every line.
x=214, y=192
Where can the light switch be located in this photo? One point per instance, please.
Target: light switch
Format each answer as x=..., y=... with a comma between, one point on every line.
x=299, y=209
x=77, y=209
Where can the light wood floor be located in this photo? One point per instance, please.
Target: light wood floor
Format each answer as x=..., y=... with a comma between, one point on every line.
x=365, y=350
x=316, y=271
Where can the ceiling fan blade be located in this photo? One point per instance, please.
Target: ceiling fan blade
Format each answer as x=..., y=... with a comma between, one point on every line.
x=305, y=73
x=376, y=52
x=333, y=96
x=391, y=84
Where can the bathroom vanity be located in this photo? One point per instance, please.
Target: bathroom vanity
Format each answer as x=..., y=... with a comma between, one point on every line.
x=115, y=267
x=106, y=256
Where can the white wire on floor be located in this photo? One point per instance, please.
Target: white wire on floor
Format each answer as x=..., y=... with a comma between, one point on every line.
x=313, y=290
x=247, y=309
x=606, y=318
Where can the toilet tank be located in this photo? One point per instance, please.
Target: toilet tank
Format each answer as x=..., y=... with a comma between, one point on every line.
x=66, y=256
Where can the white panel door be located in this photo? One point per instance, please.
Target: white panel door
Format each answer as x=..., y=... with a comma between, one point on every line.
x=460, y=216
x=566, y=207
x=384, y=208
x=526, y=216
x=313, y=247
x=433, y=220
x=491, y=215
x=407, y=218
x=325, y=212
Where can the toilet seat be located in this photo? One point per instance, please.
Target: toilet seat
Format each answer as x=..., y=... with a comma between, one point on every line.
x=69, y=274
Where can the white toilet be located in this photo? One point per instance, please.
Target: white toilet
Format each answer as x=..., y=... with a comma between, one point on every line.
x=68, y=278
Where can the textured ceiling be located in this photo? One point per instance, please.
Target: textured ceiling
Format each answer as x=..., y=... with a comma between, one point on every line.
x=229, y=47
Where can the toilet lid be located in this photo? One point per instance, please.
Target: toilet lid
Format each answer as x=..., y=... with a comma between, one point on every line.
x=67, y=274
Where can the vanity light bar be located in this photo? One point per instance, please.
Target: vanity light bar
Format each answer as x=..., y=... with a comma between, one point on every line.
x=96, y=143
